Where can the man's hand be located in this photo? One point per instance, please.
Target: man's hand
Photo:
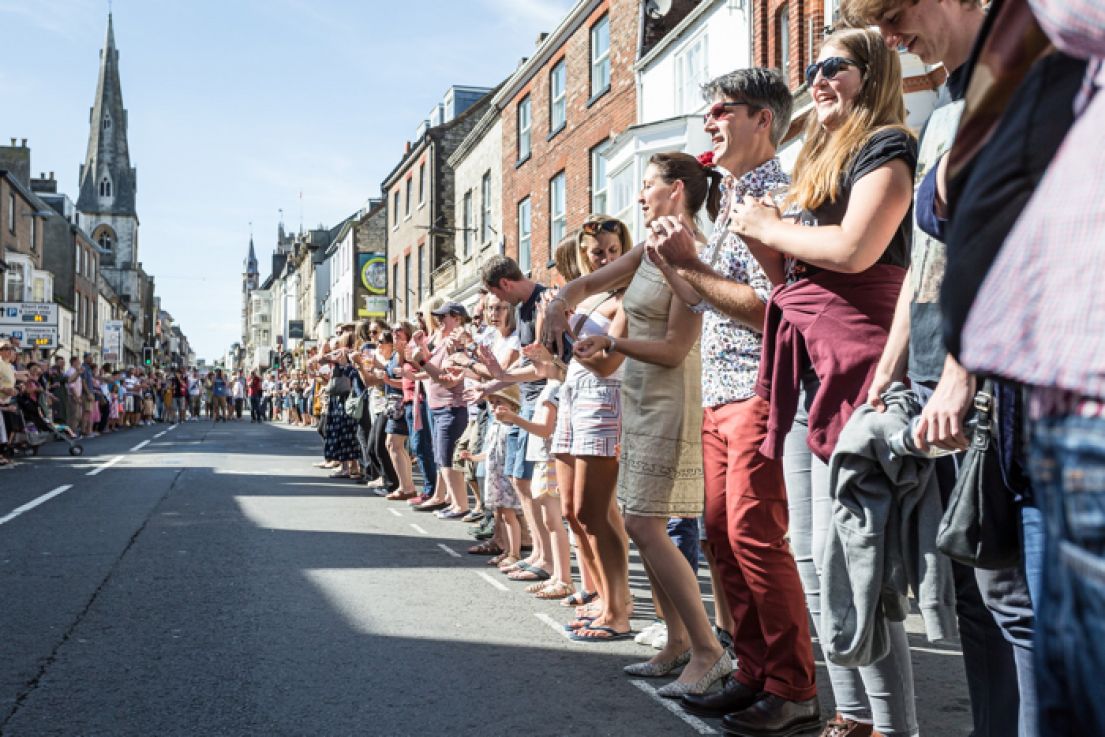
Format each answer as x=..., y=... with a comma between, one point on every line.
x=942, y=418
x=554, y=324
x=673, y=238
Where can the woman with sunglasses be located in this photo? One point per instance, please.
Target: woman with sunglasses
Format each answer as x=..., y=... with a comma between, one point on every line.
x=398, y=396
x=660, y=470
x=844, y=260
x=589, y=419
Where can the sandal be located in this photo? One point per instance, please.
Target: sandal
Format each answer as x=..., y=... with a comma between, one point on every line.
x=580, y=598
x=533, y=588
x=557, y=590
x=486, y=548
x=508, y=561
x=529, y=574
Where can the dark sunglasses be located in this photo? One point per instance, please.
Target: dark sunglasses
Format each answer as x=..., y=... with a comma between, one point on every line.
x=720, y=108
x=594, y=227
x=830, y=67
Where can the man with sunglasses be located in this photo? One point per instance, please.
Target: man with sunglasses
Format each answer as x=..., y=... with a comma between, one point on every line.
x=774, y=690
x=999, y=674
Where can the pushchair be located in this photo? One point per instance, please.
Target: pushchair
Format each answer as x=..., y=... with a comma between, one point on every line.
x=30, y=429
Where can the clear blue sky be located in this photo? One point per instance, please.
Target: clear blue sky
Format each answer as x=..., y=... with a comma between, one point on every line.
x=237, y=106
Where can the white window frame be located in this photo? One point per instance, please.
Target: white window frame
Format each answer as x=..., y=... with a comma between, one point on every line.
x=558, y=210
x=688, y=82
x=485, y=204
x=466, y=227
x=525, y=128
x=525, y=235
x=600, y=60
x=598, y=182
x=558, y=96
x=422, y=184
x=409, y=186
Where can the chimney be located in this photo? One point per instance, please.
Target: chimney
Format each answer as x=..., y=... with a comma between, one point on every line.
x=24, y=144
x=17, y=160
x=541, y=38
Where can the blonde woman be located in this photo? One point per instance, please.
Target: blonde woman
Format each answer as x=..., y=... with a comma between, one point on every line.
x=844, y=259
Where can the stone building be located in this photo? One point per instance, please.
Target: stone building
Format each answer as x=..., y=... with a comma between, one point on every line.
x=22, y=217
x=420, y=196
x=563, y=104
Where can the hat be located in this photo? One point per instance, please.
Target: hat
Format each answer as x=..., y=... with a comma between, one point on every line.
x=5, y=343
x=451, y=308
x=511, y=394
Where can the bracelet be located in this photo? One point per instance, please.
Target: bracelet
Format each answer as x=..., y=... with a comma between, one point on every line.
x=613, y=345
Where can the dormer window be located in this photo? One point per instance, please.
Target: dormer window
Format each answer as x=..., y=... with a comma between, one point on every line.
x=107, y=121
x=105, y=187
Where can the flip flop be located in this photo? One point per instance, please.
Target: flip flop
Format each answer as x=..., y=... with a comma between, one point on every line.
x=579, y=623
x=611, y=634
x=530, y=573
x=580, y=598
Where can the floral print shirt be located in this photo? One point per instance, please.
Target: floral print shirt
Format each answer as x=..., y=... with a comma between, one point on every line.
x=731, y=351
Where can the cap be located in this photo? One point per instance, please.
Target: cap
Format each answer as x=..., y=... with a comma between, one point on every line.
x=451, y=308
x=511, y=394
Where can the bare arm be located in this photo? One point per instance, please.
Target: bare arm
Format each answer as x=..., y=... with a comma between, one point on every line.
x=603, y=364
x=878, y=203
x=683, y=330
x=895, y=355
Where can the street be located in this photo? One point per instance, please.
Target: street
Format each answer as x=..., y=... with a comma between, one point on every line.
x=213, y=582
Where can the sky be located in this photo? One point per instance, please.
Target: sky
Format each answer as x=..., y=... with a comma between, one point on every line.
x=236, y=107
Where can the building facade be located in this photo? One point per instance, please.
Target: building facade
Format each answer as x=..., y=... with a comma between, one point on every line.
x=558, y=110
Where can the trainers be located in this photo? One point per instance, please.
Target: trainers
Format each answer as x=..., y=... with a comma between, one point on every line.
x=646, y=636
x=660, y=641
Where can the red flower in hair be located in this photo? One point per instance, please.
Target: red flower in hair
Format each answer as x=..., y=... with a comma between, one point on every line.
x=706, y=159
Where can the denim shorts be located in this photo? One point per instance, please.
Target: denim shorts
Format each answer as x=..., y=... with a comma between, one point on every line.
x=448, y=424
x=516, y=466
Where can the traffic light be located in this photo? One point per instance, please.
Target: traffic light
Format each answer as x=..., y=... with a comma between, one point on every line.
x=147, y=356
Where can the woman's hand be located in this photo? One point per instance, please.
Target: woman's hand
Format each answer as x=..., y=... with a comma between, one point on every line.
x=591, y=345
x=504, y=415
x=674, y=240
x=475, y=394
x=554, y=323
x=487, y=358
x=752, y=218
x=537, y=353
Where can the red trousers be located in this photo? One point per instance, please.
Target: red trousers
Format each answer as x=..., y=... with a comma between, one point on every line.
x=746, y=524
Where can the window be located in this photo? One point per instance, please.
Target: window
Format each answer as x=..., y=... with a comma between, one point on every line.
x=407, y=285
x=485, y=203
x=558, y=224
x=78, y=262
x=105, y=187
x=600, y=56
x=782, y=29
x=525, y=232
x=525, y=125
x=622, y=191
x=38, y=290
x=15, y=280
x=394, y=278
x=466, y=227
x=598, y=182
x=395, y=209
x=407, y=206
x=558, y=97
x=34, y=224
x=690, y=75
x=422, y=274
x=422, y=183
x=11, y=212
x=107, y=121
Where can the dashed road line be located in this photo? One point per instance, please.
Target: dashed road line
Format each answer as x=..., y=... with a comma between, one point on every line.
x=140, y=446
x=394, y=512
x=554, y=625
x=493, y=582
x=34, y=503
x=160, y=434
x=673, y=706
x=104, y=466
x=449, y=550
x=419, y=529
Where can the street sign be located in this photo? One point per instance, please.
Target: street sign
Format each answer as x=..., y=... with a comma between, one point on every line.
x=113, y=340
x=28, y=313
x=295, y=329
x=33, y=336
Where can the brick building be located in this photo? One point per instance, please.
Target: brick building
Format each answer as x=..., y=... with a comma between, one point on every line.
x=576, y=92
x=419, y=196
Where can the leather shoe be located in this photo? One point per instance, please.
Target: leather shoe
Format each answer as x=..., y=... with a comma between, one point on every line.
x=734, y=697
x=774, y=716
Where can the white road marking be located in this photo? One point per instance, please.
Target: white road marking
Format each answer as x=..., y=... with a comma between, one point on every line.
x=104, y=466
x=419, y=529
x=160, y=434
x=936, y=651
x=554, y=625
x=449, y=550
x=34, y=503
x=673, y=706
x=394, y=512
x=170, y=427
x=140, y=446
x=493, y=582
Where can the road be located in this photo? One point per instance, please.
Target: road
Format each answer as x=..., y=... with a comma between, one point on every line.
x=212, y=582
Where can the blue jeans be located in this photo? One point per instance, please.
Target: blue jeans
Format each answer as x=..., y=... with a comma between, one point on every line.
x=1067, y=461
x=996, y=624
x=422, y=446
x=683, y=531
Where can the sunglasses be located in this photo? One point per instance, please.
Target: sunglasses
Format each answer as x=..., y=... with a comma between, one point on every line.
x=830, y=67
x=718, y=109
x=594, y=227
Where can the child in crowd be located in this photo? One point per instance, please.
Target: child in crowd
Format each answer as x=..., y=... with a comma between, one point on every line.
x=500, y=496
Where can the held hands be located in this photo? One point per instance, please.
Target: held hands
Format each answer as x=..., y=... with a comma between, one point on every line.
x=591, y=345
x=752, y=218
x=504, y=415
x=555, y=323
x=475, y=394
x=673, y=240
x=537, y=353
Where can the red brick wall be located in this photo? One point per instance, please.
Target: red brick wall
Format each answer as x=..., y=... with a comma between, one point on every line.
x=570, y=149
x=807, y=23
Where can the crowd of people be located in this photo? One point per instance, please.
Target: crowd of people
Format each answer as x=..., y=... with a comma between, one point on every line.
x=783, y=380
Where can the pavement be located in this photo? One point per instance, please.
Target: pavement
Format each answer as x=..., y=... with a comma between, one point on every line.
x=206, y=579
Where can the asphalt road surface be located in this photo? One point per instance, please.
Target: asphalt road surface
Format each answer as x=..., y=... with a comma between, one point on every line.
x=207, y=580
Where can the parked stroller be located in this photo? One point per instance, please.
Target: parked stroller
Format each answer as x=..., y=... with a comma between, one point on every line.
x=30, y=430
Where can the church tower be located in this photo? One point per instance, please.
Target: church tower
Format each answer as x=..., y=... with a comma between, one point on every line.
x=108, y=182
x=250, y=280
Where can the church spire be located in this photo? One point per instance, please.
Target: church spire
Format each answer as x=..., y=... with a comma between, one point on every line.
x=251, y=259
x=108, y=183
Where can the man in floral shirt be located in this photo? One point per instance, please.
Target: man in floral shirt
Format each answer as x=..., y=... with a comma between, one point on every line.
x=774, y=691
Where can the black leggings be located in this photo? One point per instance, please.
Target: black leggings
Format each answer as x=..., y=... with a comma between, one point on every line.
x=377, y=461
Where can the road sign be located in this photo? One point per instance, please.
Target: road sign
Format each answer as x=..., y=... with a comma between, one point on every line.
x=28, y=313
x=33, y=336
x=113, y=340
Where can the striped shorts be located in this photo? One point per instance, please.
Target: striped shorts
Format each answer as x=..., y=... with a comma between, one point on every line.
x=589, y=421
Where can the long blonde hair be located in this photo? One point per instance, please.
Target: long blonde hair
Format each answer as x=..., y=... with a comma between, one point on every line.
x=879, y=106
x=583, y=264
x=427, y=308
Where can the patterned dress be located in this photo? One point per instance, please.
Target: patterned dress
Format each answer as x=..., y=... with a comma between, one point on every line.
x=500, y=492
x=341, y=429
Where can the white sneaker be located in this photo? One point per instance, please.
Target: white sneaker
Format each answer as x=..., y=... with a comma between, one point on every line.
x=660, y=641
x=645, y=636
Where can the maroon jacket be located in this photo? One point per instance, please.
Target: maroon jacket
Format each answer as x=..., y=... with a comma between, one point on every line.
x=839, y=324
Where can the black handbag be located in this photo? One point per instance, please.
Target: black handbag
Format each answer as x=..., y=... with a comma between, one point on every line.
x=340, y=385
x=980, y=527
